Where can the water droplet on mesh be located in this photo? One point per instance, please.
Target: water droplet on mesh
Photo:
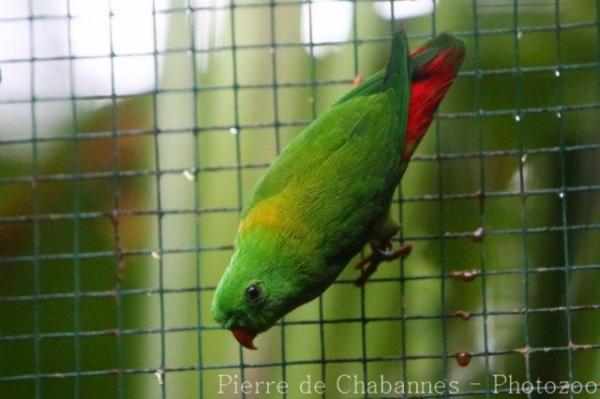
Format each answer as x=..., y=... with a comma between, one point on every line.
x=524, y=158
x=465, y=275
x=478, y=235
x=155, y=255
x=517, y=118
x=189, y=174
x=558, y=115
x=525, y=350
x=462, y=314
x=233, y=130
x=557, y=73
x=159, y=377
x=561, y=195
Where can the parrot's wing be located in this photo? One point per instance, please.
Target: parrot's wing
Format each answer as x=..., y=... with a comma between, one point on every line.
x=433, y=67
x=339, y=174
x=339, y=124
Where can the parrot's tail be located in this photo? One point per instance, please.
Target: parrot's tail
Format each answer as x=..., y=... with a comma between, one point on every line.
x=434, y=66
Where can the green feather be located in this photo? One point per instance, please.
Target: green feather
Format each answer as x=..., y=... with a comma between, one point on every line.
x=320, y=201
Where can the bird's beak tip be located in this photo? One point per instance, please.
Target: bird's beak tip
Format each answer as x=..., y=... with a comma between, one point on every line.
x=244, y=337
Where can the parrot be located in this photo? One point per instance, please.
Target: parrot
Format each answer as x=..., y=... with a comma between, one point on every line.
x=328, y=194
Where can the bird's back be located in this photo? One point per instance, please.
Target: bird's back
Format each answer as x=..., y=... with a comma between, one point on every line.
x=335, y=180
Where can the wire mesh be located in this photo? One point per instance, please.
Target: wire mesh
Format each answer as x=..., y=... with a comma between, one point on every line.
x=117, y=223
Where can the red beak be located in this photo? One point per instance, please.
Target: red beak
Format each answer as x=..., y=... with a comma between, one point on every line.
x=244, y=337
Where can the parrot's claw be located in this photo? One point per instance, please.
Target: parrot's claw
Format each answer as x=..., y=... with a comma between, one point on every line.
x=382, y=251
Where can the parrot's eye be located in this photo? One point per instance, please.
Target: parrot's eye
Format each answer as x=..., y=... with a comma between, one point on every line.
x=254, y=293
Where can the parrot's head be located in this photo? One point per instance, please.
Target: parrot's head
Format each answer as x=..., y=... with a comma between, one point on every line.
x=263, y=282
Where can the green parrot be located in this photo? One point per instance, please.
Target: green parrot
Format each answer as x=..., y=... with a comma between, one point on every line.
x=329, y=192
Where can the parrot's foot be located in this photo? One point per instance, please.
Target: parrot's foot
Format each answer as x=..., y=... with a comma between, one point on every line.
x=382, y=251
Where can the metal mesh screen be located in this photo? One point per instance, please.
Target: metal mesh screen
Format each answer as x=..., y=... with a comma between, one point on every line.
x=132, y=132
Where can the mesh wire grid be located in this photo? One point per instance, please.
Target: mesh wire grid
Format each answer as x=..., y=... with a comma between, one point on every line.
x=117, y=222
